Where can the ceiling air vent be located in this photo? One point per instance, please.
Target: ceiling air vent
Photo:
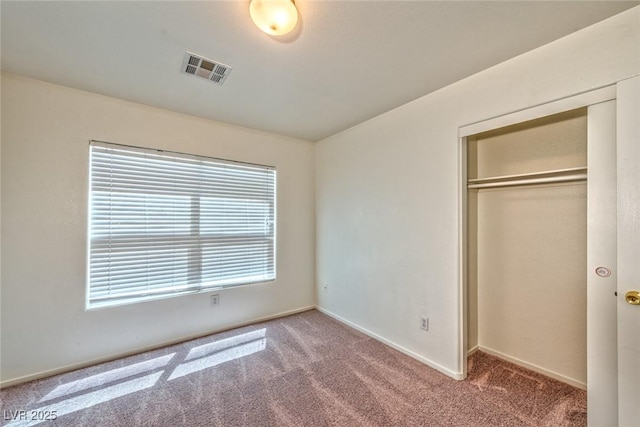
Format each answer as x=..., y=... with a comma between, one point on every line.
x=205, y=68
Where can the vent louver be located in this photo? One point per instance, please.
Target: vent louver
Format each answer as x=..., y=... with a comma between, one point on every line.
x=199, y=66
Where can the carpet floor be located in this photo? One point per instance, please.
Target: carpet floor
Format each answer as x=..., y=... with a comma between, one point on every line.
x=302, y=370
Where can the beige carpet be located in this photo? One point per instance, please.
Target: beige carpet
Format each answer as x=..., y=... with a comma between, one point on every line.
x=302, y=370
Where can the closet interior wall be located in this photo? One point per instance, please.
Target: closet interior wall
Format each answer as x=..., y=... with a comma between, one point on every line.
x=527, y=248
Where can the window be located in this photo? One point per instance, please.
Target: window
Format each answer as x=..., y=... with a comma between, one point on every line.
x=163, y=224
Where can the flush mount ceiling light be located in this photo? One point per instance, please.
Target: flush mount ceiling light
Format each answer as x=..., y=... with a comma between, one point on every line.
x=274, y=17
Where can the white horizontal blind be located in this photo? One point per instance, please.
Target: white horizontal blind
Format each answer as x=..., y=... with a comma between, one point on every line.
x=164, y=223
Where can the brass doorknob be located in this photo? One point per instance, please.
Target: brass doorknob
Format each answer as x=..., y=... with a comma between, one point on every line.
x=632, y=297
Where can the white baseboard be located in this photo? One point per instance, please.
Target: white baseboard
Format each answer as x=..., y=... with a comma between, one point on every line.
x=533, y=367
x=472, y=350
x=401, y=349
x=73, y=367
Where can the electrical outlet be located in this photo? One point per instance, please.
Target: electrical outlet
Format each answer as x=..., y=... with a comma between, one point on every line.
x=424, y=323
x=214, y=300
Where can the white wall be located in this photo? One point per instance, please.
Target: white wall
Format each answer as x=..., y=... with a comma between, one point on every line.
x=532, y=278
x=45, y=134
x=387, y=190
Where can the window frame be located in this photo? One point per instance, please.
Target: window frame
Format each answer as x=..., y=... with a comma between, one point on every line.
x=201, y=287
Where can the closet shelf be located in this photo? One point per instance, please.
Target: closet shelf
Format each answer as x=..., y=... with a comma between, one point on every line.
x=544, y=177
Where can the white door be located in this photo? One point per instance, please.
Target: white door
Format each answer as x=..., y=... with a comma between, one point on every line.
x=602, y=349
x=628, y=155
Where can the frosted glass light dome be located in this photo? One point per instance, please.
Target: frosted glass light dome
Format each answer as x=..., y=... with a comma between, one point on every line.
x=275, y=17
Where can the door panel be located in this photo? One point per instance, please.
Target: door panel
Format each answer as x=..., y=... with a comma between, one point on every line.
x=628, y=127
x=602, y=360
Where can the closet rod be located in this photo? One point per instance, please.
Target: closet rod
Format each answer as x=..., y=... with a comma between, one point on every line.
x=539, y=174
x=531, y=181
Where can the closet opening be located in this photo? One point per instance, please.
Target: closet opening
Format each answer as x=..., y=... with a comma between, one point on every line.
x=526, y=244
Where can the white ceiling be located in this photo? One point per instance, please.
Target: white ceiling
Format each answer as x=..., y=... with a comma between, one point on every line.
x=346, y=62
